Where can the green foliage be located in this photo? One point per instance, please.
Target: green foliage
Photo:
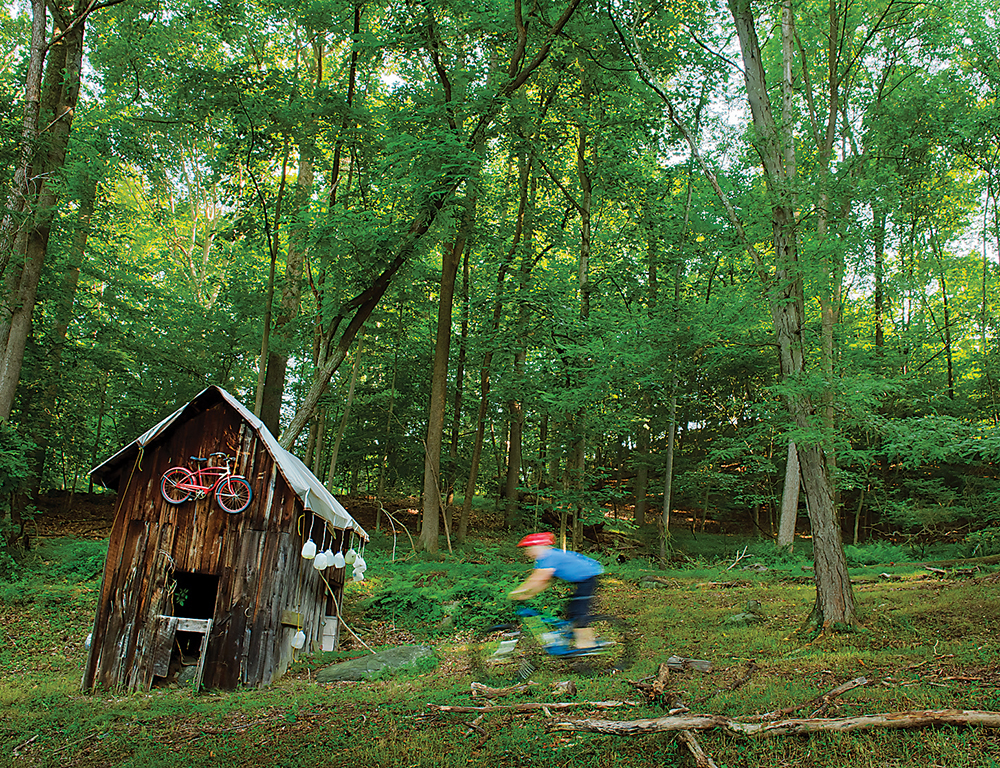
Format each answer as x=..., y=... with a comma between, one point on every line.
x=983, y=543
x=59, y=571
x=876, y=553
x=439, y=597
x=14, y=449
x=74, y=561
x=173, y=282
x=14, y=477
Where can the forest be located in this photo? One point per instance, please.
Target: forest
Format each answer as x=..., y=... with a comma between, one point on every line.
x=561, y=260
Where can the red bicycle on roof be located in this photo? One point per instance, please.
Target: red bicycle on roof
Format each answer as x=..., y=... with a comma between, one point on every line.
x=232, y=492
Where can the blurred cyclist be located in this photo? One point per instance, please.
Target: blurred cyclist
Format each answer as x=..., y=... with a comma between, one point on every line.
x=572, y=567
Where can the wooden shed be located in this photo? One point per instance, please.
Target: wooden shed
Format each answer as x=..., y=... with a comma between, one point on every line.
x=192, y=585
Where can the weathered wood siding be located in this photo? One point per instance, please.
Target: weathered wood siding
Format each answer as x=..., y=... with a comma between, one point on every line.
x=255, y=555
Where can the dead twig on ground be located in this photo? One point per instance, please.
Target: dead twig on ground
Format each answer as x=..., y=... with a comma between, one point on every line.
x=474, y=725
x=701, y=759
x=823, y=702
x=739, y=556
x=478, y=689
x=736, y=684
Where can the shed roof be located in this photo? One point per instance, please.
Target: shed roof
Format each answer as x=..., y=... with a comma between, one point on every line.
x=313, y=494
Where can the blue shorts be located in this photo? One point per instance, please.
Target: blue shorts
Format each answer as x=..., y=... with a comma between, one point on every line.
x=578, y=608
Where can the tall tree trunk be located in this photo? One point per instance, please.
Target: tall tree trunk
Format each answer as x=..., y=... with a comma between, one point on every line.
x=11, y=224
x=524, y=194
x=59, y=95
x=946, y=311
x=291, y=296
x=879, y=216
x=643, y=437
x=456, y=422
x=834, y=595
x=45, y=409
x=331, y=472
x=789, y=499
x=641, y=483
x=387, y=441
x=984, y=318
x=515, y=407
x=576, y=463
x=515, y=440
x=273, y=245
x=432, y=496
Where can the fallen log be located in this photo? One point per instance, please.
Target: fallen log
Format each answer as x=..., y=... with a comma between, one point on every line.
x=907, y=719
x=531, y=706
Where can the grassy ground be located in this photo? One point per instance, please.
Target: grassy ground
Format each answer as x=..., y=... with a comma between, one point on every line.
x=928, y=641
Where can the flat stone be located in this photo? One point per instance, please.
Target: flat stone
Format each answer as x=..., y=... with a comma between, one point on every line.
x=374, y=664
x=743, y=618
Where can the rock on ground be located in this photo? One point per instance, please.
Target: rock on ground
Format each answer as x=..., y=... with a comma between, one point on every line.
x=373, y=664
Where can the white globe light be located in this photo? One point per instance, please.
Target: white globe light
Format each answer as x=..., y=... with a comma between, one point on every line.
x=309, y=549
x=351, y=556
x=298, y=640
x=319, y=562
x=338, y=560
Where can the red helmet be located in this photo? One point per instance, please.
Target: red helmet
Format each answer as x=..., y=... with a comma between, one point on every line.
x=535, y=539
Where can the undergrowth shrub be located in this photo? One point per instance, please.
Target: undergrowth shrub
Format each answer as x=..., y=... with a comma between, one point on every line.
x=770, y=554
x=74, y=561
x=876, y=552
x=983, y=543
x=59, y=572
x=440, y=597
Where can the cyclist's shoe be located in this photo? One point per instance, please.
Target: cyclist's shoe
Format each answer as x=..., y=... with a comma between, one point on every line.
x=598, y=647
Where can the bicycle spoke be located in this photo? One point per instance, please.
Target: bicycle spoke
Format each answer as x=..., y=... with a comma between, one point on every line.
x=233, y=494
x=171, y=485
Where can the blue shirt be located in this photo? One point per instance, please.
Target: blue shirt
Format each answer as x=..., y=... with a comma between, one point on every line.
x=569, y=566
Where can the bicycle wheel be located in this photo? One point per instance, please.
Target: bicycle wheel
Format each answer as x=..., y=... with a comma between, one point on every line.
x=616, y=648
x=170, y=485
x=234, y=494
x=503, y=655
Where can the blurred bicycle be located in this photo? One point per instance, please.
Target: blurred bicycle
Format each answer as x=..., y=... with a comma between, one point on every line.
x=515, y=650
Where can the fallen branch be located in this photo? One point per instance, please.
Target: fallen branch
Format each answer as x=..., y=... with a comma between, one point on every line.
x=478, y=689
x=679, y=664
x=701, y=759
x=908, y=719
x=530, y=706
x=474, y=725
x=751, y=668
x=822, y=702
x=739, y=556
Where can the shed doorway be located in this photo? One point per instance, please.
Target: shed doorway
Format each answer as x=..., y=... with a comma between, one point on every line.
x=183, y=632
